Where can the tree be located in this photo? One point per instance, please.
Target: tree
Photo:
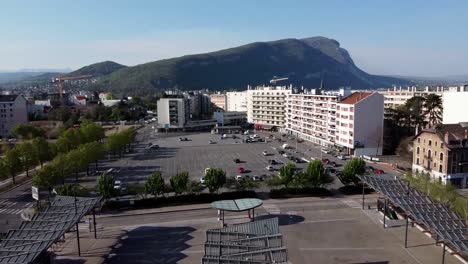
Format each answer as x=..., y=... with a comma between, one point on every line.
x=45, y=177
x=12, y=162
x=154, y=184
x=179, y=182
x=215, y=179
x=414, y=107
x=247, y=184
x=42, y=148
x=92, y=131
x=68, y=140
x=27, y=132
x=316, y=175
x=286, y=174
x=433, y=109
x=106, y=186
x=27, y=155
x=195, y=187
x=355, y=166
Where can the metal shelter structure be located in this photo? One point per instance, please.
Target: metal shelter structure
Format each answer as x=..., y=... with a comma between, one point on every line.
x=248, y=243
x=445, y=224
x=239, y=205
x=27, y=243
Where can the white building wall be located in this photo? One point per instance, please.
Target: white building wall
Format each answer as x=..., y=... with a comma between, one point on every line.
x=368, y=125
x=236, y=101
x=266, y=105
x=164, y=112
x=455, y=105
x=12, y=113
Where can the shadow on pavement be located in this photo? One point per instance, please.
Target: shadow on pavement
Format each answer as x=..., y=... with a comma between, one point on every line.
x=283, y=219
x=151, y=245
x=160, y=153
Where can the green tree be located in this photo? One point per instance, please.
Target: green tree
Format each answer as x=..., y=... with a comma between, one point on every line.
x=316, y=175
x=433, y=109
x=154, y=184
x=247, y=184
x=355, y=166
x=215, y=179
x=45, y=177
x=27, y=155
x=42, y=148
x=92, y=131
x=195, y=187
x=179, y=182
x=286, y=174
x=27, y=132
x=12, y=162
x=106, y=186
x=68, y=140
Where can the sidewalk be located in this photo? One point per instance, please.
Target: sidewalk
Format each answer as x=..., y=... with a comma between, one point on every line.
x=169, y=209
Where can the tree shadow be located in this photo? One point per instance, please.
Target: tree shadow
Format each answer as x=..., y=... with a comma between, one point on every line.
x=161, y=153
x=151, y=245
x=283, y=219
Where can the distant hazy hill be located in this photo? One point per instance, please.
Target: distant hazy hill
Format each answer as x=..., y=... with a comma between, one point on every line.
x=304, y=61
x=98, y=69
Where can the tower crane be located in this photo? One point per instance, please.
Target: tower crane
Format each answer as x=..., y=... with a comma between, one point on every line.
x=62, y=78
x=277, y=79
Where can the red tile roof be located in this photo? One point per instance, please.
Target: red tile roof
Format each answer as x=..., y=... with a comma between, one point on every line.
x=355, y=97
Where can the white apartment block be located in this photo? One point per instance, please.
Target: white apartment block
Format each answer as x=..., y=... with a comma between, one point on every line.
x=236, y=101
x=219, y=100
x=173, y=112
x=13, y=112
x=455, y=107
x=354, y=122
x=266, y=106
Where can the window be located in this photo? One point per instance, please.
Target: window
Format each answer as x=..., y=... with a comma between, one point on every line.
x=429, y=153
x=419, y=140
x=441, y=145
x=440, y=168
x=417, y=150
x=350, y=117
x=430, y=142
x=441, y=156
x=435, y=143
x=417, y=161
x=351, y=109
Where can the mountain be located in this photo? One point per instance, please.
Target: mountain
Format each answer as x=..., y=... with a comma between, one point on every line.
x=304, y=61
x=98, y=69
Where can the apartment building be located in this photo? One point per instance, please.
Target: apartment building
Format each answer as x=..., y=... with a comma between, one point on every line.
x=230, y=118
x=173, y=112
x=236, y=101
x=266, y=106
x=442, y=152
x=352, y=122
x=219, y=101
x=13, y=112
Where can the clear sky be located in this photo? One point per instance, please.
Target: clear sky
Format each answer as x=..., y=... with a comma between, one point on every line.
x=425, y=38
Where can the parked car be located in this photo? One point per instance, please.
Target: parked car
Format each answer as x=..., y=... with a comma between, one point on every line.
x=298, y=160
x=239, y=177
x=341, y=157
x=202, y=180
x=265, y=153
x=240, y=170
x=285, y=146
x=378, y=171
x=332, y=164
x=286, y=155
x=150, y=144
x=154, y=146
x=234, y=136
x=237, y=161
x=272, y=162
x=325, y=161
x=183, y=139
x=326, y=151
x=269, y=168
x=211, y=142
x=257, y=178
x=332, y=170
x=281, y=152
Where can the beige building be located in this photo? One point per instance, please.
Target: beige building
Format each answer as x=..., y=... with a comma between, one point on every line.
x=443, y=153
x=219, y=100
x=266, y=106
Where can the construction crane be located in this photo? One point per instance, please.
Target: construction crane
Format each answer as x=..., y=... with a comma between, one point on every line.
x=277, y=79
x=62, y=78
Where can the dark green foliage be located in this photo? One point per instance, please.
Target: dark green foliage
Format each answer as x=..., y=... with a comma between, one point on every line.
x=179, y=182
x=316, y=175
x=299, y=192
x=286, y=174
x=43, y=150
x=98, y=69
x=355, y=166
x=27, y=132
x=106, y=186
x=12, y=162
x=215, y=179
x=154, y=184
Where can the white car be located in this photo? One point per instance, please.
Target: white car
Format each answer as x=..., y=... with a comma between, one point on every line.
x=265, y=153
x=206, y=170
x=269, y=168
x=239, y=177
x=117, y=185
x=287, y=155
x=341, y=157
x=257, y=178
x=202, y=180
x=325, y=151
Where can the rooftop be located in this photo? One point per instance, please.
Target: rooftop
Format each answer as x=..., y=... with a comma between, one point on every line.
x=8, y=97
x=454, y=135
x=238, y=205
x=355, y=97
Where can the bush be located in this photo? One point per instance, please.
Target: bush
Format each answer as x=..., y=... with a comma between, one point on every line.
x=179, y=182
x=354, y=189
x=135, y=189
x=355, y=166
x=215, y=179
x=299, y=192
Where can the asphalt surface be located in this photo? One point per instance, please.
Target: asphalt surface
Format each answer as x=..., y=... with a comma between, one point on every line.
x=12, y=203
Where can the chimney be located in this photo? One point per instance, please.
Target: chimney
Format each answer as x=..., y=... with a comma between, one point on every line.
x=417, y=130
x=466, y=133
x=446, y=137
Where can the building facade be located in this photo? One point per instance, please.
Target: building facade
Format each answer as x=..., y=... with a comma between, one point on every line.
x=455, y=107
x=13, y=112
x=236, y=101
x=443, y=153
x=230, y=118
x=353, y=122
x=219, y=101
x=173, y=112
x=266, y=106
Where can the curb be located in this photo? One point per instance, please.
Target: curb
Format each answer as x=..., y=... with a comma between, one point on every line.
x=149, y=213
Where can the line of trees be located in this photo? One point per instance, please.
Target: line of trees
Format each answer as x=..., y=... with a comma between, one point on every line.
x=314, y=176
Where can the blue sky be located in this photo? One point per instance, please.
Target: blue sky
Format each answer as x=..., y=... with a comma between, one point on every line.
x=426, y=38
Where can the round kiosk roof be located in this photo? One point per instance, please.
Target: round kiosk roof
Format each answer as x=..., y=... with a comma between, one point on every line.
x=238, y=205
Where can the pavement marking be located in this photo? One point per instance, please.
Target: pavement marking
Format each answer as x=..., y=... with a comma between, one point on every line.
x=342, y=249
x=328, y=220
x=352, y=203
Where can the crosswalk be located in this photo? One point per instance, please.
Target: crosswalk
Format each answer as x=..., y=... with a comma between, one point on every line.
x=10, y=207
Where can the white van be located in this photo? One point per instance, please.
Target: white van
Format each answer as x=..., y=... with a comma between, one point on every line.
x=285, y=146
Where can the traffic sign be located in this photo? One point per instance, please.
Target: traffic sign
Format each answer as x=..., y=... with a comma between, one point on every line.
x=35, y=193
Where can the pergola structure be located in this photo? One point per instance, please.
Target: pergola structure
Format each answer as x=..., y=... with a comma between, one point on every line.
x=27, y=243
x=447, y=225
x=248, y=243
x=239, y=205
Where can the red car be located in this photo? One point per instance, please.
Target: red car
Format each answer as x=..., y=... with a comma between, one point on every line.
x=326, y=161
x=377, y=171
x=240, y=170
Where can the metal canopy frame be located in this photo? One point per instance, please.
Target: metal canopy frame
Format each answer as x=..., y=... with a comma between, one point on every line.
x=247, y=243
x=25, y=244
x=447, y=224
